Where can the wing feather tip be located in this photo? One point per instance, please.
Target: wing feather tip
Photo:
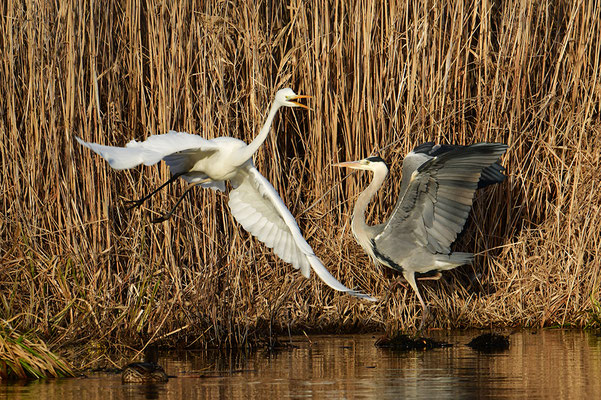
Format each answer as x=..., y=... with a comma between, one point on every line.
x=362, y=296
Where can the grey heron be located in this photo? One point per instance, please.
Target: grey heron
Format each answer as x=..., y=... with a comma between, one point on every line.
x=435, y=198
x=254, y=202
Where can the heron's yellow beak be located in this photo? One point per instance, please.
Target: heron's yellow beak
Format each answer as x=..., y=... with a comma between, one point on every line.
x=349, y=164
x=299, y=96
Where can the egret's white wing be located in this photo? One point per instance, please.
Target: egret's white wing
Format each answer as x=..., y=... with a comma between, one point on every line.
x=150, y=151
x=123, y=157
x=256, y=205
x=438, y=199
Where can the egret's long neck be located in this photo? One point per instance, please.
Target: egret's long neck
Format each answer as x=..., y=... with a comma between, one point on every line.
x=247, y=152
x=358, y=225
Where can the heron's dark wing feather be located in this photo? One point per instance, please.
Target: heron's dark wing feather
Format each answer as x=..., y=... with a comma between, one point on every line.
x=438, y=197
x=490, y=175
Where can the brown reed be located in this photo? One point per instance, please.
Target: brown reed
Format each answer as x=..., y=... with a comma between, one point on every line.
x=384, y=76
x=23, y=357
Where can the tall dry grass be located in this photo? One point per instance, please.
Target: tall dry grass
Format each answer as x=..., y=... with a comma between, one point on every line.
x=77, y=266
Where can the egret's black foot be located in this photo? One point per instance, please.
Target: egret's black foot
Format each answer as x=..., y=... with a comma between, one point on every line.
x=130, y=204
x=162, y=218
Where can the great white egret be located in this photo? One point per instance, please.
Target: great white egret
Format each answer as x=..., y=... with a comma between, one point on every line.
x=254, y=202
x=435, y=198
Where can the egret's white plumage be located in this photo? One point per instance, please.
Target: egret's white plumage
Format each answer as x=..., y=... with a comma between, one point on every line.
x=254, y=202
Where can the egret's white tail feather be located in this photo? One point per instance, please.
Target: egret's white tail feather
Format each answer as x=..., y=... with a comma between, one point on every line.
x=332, y=282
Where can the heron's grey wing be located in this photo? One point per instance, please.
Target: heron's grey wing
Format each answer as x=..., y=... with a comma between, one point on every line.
x=438, y=198
x=411, y=163
x=426, y=151
x=150, y=151
x=256, y=205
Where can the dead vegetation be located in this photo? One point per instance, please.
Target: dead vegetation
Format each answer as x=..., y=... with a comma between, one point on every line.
x=386, y=76
x=23, y=357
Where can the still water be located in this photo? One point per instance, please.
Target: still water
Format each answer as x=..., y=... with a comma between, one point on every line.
x=545, y=364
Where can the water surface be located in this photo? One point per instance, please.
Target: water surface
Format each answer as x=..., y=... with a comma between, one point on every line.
x=546, y=364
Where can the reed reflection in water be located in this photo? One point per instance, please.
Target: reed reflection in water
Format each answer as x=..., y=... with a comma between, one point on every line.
x=547, y=364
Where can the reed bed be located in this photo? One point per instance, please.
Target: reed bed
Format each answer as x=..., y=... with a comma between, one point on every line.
x=384, y=76
x=22, y=357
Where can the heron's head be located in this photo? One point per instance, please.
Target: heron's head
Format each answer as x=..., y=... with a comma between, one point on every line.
x=287, y=98
x=373, y=164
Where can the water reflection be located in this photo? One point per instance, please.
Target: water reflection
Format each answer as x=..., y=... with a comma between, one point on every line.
x=557, y=364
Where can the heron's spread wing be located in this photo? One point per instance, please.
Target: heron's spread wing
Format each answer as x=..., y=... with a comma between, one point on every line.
x=256, y=205
x=426, y=151
x=150, y=151
x=438, y=197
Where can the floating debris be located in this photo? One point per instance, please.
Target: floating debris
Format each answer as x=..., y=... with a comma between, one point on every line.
x=406, y=342
x=143, y=372
x=275, y=345
x=490, y=342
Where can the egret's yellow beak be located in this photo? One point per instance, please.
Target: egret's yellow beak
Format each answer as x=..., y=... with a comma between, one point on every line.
x=299, y=96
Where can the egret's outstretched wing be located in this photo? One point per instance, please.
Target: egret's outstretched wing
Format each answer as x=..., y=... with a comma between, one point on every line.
x=438, y=198
x=150, y=151
x=259, y=209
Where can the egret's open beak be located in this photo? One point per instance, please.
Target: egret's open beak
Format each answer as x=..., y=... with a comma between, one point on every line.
x=349, y=164
x=299, y=96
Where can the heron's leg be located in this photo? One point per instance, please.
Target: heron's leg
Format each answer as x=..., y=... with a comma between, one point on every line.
x=139, y=202
x=431, y=278
x=168, y=215
x=410, y=276
x=398, y=282
x=392, y=287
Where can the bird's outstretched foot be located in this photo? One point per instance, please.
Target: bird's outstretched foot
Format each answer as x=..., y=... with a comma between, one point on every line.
x=398, y=282
x=433, y=277
x=168, y=215
x=130, y=204
x=162, y=218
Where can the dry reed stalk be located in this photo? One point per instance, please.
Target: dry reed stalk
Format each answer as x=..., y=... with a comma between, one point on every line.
x=22, y=358
x=384, y=76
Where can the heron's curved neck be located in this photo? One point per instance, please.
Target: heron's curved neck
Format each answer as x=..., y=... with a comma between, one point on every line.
x=248, y=151
x=360, y=228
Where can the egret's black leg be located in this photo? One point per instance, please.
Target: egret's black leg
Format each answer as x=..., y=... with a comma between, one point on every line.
x=138, y=203
x=168, y=215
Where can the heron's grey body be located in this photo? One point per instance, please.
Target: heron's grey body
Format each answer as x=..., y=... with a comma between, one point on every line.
x=437, y=189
